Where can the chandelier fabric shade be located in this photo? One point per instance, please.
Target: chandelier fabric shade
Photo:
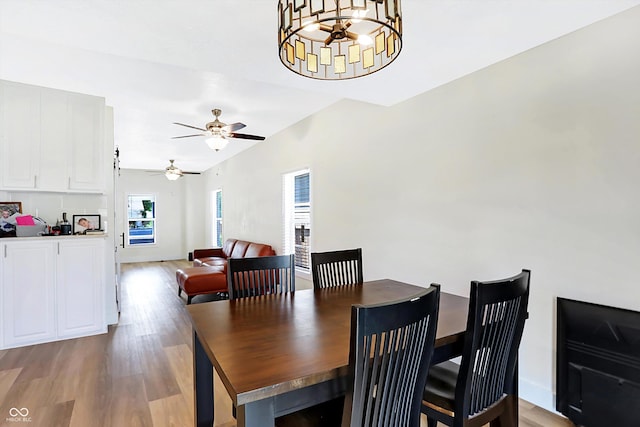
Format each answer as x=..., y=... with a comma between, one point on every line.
x=338, y=40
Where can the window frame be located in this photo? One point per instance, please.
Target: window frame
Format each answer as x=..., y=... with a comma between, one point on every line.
x=217, y=236
x=294, y=213
x=141, y=218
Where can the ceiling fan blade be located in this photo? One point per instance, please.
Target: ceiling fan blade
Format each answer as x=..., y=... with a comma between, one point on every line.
x=186, y=136
x=190, y=173
x=189, y=126
x=246, y=136
x=234, y=127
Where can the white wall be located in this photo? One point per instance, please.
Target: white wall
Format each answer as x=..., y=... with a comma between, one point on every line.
x=530, y=163
x=179, y=205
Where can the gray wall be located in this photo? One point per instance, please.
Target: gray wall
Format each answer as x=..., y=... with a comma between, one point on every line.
x=530, y=163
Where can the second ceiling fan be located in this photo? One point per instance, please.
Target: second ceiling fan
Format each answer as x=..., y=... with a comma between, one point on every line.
x=217, y=132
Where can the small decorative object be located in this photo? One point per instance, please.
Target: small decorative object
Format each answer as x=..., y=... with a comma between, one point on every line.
x=338, y=39
x=82, y=223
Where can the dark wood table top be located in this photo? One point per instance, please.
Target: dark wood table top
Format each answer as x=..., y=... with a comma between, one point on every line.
x=265, y=346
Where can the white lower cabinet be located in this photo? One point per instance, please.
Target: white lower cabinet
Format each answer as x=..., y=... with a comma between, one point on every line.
x=79, y=288
x=28, y=299
x=51, y=290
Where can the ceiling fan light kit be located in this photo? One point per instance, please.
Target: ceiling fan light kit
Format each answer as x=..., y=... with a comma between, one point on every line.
x=338, y=40
x=174, y=173
x=172, y=176
x=216, y=143
x=217, y=132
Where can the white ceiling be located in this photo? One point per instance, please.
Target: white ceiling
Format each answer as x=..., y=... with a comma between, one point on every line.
x=162, y=61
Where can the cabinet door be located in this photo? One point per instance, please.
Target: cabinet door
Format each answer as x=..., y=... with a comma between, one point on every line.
x=53, y=162
x=79, y=289
x=28, y=280
x=19, y=134
x=86, y=144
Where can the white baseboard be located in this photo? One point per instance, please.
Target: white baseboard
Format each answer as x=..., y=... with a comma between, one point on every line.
x=538, y=395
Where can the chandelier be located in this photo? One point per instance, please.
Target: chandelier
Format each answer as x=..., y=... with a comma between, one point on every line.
x=338, y=40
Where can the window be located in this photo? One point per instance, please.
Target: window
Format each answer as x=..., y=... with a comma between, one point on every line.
x=217, y=218
x=141, y=216
x=297, y=218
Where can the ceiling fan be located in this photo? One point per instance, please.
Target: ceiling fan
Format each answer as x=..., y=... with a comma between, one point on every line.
x=173, y=172
x=217, y=132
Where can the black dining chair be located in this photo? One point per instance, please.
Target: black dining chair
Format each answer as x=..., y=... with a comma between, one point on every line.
x=483, y=388
x=390, y=352
x=336, y=268
x=248, y=277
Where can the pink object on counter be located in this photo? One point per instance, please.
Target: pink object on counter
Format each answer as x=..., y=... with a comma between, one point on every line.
x=25, y=220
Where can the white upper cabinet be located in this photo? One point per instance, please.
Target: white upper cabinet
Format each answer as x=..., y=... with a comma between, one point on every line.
x=19, y=134
x=86, y=146
x=53, y=140
x=53, y=156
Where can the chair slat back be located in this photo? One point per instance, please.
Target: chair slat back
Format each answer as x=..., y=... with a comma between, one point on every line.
x=336, y=268
x=497, y=313
x=391, y=349
x=247, y=277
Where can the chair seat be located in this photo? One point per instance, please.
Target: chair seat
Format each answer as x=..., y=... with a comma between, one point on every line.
x=441, y=385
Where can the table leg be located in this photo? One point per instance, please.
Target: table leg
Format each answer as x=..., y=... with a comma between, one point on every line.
x=256, y=414
x=202, y=385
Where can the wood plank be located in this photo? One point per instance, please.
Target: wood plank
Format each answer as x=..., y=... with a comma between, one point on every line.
x=173, y=411
x=159, y=380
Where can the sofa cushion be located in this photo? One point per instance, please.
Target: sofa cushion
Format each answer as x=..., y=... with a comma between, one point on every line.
x=209, y=261
x=202, y=280
x=239, y=249
x=258, y=249
x=227, y=248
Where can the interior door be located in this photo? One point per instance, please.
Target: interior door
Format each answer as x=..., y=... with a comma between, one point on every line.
x=118, y=222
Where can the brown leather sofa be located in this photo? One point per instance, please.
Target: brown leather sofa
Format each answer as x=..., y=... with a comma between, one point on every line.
x=209, y=272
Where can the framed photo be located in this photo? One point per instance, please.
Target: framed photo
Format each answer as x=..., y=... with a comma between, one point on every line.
x=82, y=223
x=11, y=207
x=8, y=213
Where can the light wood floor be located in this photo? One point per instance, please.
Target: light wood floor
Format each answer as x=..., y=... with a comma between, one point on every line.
x=138, y=374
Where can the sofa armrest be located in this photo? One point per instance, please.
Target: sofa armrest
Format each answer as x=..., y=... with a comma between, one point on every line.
x=212, y=252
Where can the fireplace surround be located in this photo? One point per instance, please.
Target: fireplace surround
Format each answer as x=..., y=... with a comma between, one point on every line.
x=598, y=364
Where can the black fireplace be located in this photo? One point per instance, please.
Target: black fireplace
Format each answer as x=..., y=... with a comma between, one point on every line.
x=598, y=364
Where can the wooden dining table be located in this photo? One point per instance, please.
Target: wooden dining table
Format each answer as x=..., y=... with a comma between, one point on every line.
x=277, y=354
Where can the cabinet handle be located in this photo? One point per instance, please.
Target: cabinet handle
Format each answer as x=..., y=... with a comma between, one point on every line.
x=5, y=251
x=58, y=248
x=35, y=181
x=69, y=183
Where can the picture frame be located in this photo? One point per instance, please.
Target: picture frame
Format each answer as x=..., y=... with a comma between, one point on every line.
x=12, y=207
x=84, y=222
x=8, y=213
